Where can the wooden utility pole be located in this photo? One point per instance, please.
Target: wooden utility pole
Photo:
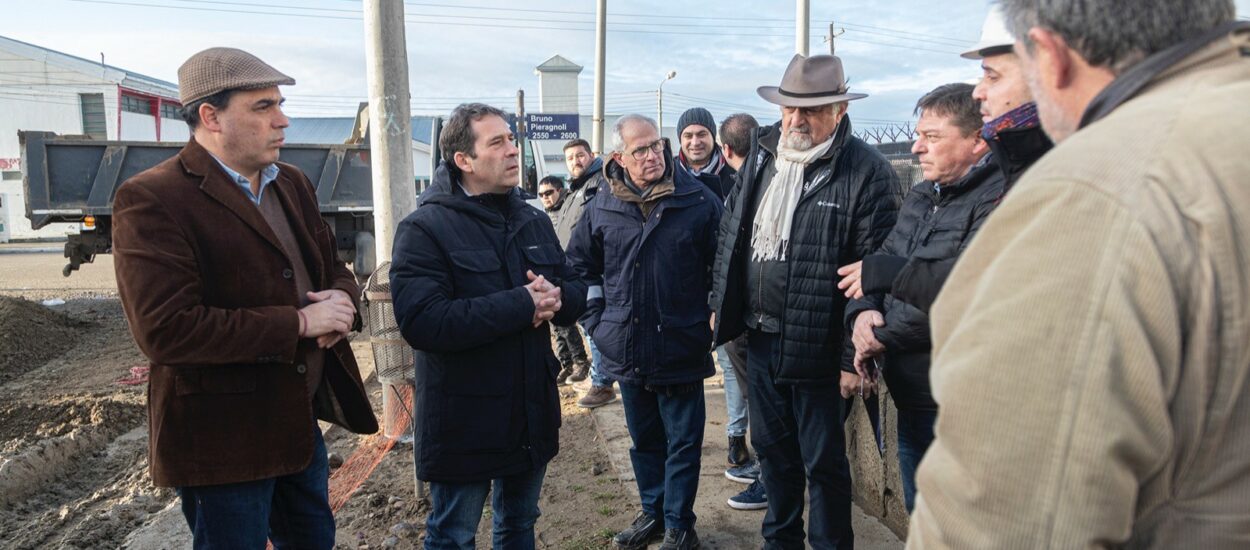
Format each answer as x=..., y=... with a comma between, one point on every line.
x=601, y=31
x=520, y=137
x=390, y=120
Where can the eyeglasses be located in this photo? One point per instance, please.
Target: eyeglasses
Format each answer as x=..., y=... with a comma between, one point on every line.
x=656, y=147
x=547, y=193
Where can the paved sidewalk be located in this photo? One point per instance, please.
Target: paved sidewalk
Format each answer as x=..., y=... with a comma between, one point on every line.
x=736, y=529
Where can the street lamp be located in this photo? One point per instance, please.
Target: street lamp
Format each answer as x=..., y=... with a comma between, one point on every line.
x=660, y=100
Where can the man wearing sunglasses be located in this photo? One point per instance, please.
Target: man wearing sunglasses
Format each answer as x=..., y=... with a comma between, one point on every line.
x=644, y=247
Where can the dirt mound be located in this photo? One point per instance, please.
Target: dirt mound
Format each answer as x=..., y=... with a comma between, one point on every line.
x=31, y=334
x=26, y=423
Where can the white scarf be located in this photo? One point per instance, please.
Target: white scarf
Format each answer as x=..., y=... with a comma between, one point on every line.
x=771, y=237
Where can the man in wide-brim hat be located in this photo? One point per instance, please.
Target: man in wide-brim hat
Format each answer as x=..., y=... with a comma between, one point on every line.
x=811, y=197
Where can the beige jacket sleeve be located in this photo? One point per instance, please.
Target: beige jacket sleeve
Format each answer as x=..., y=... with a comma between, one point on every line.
x=1055, y=343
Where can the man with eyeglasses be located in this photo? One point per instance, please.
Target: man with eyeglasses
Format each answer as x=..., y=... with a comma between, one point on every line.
x=810, y=198
x=644, y=247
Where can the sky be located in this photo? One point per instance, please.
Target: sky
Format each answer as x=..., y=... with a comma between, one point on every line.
x=485, y=50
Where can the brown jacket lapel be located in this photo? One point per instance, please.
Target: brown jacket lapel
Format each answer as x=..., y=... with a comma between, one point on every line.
x=197, y=161
x=307, y=243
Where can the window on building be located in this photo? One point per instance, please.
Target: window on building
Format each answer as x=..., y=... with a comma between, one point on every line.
x=93, y=115
x=11, y=175
x=171, y=110
x=132, y=104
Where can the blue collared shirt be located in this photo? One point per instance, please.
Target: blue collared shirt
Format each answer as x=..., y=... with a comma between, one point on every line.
x=267, y=175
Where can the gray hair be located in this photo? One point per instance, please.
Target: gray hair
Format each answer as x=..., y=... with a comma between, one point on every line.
x=618, y=142
x=1115, y=34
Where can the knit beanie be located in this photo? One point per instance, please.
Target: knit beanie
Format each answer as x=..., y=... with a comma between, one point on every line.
x=697, y=115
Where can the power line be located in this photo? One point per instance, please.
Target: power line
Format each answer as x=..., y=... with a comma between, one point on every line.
x=487, y=25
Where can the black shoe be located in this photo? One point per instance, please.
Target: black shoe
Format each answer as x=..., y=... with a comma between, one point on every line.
x=680, y=539
x=562, y=377
x=638, y=535
x=738, y=453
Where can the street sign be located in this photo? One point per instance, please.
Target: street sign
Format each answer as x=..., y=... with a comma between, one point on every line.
x=541, y=126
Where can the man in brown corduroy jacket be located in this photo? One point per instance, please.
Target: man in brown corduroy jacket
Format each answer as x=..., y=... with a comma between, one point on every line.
x=1092, y=346
x=233, y=289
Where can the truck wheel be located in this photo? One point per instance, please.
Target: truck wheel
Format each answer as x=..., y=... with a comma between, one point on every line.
x=365, y=260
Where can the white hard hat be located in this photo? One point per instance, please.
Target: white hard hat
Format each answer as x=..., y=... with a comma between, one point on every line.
x=994, y=35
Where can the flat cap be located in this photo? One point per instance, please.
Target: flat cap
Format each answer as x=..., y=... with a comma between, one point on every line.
x=219, y=69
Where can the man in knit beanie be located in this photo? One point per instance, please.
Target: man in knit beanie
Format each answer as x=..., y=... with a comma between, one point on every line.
x=699, y=153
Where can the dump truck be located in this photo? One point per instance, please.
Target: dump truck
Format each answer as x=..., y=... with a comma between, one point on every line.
x=72, y=179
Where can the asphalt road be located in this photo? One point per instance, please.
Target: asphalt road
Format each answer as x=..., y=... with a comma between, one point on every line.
x=39, y=275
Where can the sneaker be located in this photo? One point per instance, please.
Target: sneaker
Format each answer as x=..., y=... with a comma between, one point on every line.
x=639, y=534
x=580, y=373
x=748, y=473
x=562, y=377
x=752, y=498
x=598, y=396
x=680, y=539
x=738, y=453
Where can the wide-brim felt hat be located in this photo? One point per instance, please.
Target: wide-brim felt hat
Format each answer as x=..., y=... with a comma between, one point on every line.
x=810, y=82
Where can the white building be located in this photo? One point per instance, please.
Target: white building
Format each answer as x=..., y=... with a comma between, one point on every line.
x=558, y=94
x=46, y=90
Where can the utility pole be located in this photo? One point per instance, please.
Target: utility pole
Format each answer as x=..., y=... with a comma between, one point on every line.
x=601, y=31
x=520, y=136
x=801, y=27
x=660, y=101
x=832, y=36
x=390, y=120
x=394, y=187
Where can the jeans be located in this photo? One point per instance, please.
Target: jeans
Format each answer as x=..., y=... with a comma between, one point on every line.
x=797, y=433
x=596, y=362
x=292, y=511
x=915, y=434
x=667, y=431
x=735, y=400
x=456, y=509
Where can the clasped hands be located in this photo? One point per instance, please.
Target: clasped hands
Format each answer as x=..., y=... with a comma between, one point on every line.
x=546, y=298
x=328, y=318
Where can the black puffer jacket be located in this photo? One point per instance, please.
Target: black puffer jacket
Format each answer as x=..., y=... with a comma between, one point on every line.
x=933, y=225
x=1014, y=151
x=849, y=206
x=486, y=394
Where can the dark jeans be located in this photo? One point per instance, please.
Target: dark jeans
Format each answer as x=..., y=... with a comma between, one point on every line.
x=667, y=430
x=456, y=509
x=915, y=434
x=570, y=348
x=797, y=433
x=292, y=511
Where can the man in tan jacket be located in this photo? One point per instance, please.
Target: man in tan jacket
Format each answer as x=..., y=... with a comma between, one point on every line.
x=1092, y=347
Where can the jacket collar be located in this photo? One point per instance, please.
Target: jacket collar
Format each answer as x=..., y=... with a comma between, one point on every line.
x=1015, y=150
x=686, y=189
x=977, y=174
x=445, y=190
x=214, y=182
x=1128, y=84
